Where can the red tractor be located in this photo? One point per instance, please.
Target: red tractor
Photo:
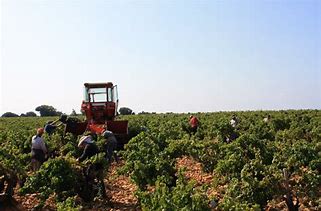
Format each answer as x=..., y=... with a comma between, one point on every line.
x=100, y=107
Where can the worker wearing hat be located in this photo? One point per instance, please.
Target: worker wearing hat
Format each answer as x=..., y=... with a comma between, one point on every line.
x=89, y=147
x=38, y=150
x=95, y=170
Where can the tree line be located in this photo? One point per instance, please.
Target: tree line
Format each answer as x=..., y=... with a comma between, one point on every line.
x=47, y=110
x=44, y=110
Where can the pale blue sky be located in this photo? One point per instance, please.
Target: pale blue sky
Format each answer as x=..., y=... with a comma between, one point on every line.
x=179, y=55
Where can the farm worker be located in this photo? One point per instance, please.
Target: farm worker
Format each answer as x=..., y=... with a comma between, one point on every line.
x=89, y=147
x=234, y=121
x=51, y=126
x=70, y=123
x=93, y=171
x=267, y=119
x=110, y=145
x=38, y=150
x=193, y=122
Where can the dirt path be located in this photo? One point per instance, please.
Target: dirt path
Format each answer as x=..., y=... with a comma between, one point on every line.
x=121, y=190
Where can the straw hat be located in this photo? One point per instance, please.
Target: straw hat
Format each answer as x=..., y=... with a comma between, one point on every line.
x=85, y=140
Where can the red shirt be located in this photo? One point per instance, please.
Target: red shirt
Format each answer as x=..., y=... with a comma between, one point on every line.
x=193, y=122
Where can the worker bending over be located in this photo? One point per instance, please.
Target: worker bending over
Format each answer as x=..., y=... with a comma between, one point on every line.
x=38, y=150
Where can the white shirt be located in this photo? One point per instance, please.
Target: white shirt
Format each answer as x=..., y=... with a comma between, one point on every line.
x=233, y=123
x=38, y=143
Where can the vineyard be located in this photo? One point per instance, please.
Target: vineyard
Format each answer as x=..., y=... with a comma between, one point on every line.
x=256, y=165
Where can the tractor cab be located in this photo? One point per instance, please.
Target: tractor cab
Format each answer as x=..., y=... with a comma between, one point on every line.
x=100, y=106
x=100, y=102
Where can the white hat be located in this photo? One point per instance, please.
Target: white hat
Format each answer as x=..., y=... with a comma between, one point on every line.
x=85, y=139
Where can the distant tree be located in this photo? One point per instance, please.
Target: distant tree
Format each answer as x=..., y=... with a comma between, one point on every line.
x=125, y=111
x=46, y=110
x=23, y=115
x=143, y=112
x=9, y=114
x=31, y=113
x=73, y=113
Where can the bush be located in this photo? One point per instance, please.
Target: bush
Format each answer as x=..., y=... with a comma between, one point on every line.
x=231, y=204
x=31, y=114
x=125, y=111
x=68, y=205
x=146, y=160
x=58, y=176
x=46, y=110
x=184, y=196
x=9, y=114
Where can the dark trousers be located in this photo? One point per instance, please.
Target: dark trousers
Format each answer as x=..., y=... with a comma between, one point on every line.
x=110, y=147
